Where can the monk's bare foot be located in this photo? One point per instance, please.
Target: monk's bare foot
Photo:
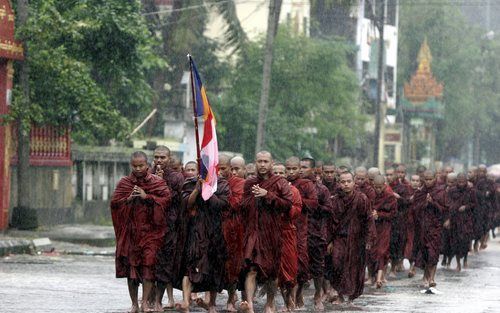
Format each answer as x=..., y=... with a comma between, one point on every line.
x=231, y=307
x=158, y=307
x=300, y=302
x=339, y=300
x=432, y=284
x=466, y=265
x=134, y=309
x=202, y=304
x=269, y=309
x=483, y=246
x=379, y=284
x=212, y=309
x=181, y=307
x=318, y=305
x=245, y=307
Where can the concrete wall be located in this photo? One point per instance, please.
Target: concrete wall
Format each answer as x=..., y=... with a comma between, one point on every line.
x=50, y=194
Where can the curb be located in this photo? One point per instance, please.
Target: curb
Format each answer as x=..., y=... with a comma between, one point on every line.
x=15, y=246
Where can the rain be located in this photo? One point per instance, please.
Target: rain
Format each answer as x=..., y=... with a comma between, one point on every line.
x=249, y=155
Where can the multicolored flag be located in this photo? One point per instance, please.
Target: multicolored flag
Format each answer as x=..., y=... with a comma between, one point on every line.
x=209, y=153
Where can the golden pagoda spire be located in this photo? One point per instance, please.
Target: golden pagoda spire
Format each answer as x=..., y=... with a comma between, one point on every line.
x=425, y=52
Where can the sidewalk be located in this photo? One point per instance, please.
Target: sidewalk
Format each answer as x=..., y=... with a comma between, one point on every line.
x=83, y=239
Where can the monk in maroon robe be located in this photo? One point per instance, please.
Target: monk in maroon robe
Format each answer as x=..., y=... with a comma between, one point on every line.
x=204, y=250
x=168, y=258
x=233, y=229
x=402, y=191
x=265, y=198
x=446, y=240
x=485, y=191
x=363, y=184
x=384, y=207
x=410, y=226
x=317, y=231
x=310, y=203
x=351, y=233
x=429, y=211
x=289, y=266
x=461, y=200
x=139, y=208
x=330, y=179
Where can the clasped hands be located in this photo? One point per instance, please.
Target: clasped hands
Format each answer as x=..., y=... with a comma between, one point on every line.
x=258, y=192
x=137, y=192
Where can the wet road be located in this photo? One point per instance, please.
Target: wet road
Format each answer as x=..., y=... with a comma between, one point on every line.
x=86, y=284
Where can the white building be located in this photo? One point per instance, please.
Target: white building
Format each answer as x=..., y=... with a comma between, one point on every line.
x=253, y=18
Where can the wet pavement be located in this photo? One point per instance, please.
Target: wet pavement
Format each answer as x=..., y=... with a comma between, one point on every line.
x=83, y=283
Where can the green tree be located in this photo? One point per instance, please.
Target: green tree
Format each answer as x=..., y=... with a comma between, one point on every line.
x=88, y=64
x=313, y=98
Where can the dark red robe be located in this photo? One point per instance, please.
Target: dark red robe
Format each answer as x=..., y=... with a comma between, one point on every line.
x=233, y=230
x=485, y=210
x=289, y=263
x=386, y=206
x=317, y=231
x=410, y=230
x=310, y=203
x=140, y=225
x=351, y=229
x=204, y=250
x=400, y=221
x=262, y=217
x=429, y=217
x=367, y=189
x=169, y=256
x=461, y=223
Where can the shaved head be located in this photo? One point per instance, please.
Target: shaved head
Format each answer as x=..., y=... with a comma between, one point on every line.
x=379, y=179
x=373, y=171
x=360, y=170
x=263, y=153
x=224, y=165
x=237, y=160
x=238, y=167
x=293, y=161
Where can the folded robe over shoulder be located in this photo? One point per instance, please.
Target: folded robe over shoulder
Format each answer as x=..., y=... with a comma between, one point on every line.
x=289, y=263
x=351, y=228
x=262, y=241
x=204, y=254
x=386, y=206
x=140, y=225
x=430, y=217
x=309, y=196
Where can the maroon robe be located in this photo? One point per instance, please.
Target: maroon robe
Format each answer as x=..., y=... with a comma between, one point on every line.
x=262, y=216
x=399, y=223
x=410, y=229
x=386, y=206
x=233, y=230
x=317, y=231
x=367, y=189
x=168, y=258
x=429, y=217
x=309, y=196
x=351, y=229
x=461, y=223
x=485, y=210
x=289, y=263
x=204, y=249
x=140, y=225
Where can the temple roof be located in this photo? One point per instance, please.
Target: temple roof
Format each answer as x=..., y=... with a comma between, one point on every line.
x=422, y=85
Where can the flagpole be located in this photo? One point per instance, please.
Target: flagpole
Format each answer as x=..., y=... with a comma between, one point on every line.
x=197, y=136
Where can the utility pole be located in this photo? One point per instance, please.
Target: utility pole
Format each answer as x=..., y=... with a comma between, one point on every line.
x=379, y=116
x=272, y=29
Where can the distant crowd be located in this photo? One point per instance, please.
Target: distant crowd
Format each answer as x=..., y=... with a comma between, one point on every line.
x=281, y=226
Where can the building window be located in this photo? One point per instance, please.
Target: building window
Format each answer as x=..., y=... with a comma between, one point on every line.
x=392, y=9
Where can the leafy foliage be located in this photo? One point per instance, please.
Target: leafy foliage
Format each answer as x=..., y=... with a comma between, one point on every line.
x=88, y=65
x=312, y=100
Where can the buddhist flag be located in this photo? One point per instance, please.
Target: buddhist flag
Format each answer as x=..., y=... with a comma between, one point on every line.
x=209, y=152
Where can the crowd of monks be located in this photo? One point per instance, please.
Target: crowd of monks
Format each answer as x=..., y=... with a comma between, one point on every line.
x=283, y=226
